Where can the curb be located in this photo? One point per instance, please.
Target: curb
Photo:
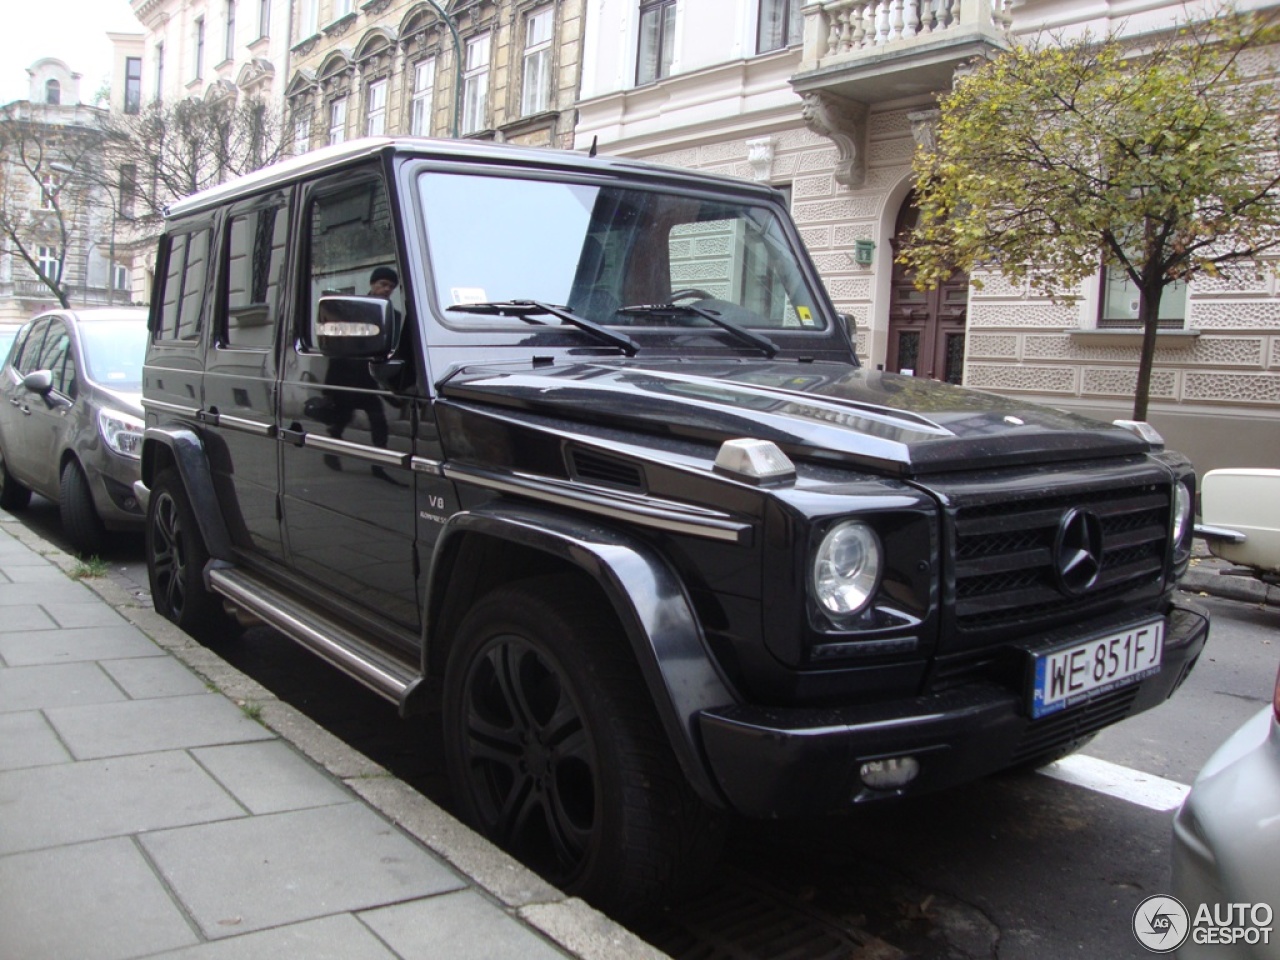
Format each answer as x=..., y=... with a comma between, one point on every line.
x=572, y=924
x=1224, y=584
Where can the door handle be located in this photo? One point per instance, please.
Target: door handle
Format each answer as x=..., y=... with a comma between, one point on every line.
x=293, y=434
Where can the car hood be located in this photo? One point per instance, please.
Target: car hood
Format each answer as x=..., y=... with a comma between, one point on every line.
x=126, y=401
x=814, y=411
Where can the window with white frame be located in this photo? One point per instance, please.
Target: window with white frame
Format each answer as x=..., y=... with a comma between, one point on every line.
x=375, y=123
x=781, y=25
x=159, y=72
x=341, y=8
x=1118, y=307
x=119, y=277
x=308, y=18
x=229, y=47
x=132, y=84
x=48, y=190
x=424, y=86
x=475, y=84
x=264, y=18
x=47, y=260
x=302, y=130
x=199, y=45
x=657, y=40
x=535, y=95
x=338, y=120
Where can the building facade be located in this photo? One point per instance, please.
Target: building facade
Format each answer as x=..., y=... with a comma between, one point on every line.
x=505, y=70
x=829, y=102
x=56, y=203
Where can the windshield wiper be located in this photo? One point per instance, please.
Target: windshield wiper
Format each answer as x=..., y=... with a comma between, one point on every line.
x=750, y=337
x=526, y=309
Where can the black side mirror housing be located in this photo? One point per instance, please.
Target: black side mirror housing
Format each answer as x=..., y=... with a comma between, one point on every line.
x=356, y=328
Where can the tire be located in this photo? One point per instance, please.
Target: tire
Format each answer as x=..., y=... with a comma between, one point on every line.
x=176, y=558
x=555, y=752
x=13, y=495
x=80, y=520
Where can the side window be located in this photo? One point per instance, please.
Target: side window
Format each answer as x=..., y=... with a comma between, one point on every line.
x=183, y=300
x=54, y=357
x=251, y=279
x=352, y=247
x=27, y=349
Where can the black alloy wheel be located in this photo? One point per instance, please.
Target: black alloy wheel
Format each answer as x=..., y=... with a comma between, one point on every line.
x=176, y=558
x=556, y=754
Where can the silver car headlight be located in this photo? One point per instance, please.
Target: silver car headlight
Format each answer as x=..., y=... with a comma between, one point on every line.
x=122, y=432
x=846, y=568
x=1181, y=511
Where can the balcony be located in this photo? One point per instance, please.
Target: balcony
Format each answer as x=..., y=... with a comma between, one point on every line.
x=870, y=51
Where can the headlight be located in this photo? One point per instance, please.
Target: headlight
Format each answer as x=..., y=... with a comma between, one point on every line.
x=1181, y=511
x=121, y=432
x=846, y=568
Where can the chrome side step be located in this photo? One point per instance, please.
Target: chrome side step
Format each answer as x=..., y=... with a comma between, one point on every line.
x=324, y=637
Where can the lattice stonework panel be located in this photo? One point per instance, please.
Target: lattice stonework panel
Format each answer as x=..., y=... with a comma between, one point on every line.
x=1255, y=315
x=1275, y=352
x=1116, y=382
x=998, y=285
x=1232, y=388
x=1240, y=281
x=883, y=152
x=812, y=160
x=992, y=376
x=807, y=188
x=844, y=234
x=993, y=346
x=815, y=238
x=840, y=208
x=1022, y=315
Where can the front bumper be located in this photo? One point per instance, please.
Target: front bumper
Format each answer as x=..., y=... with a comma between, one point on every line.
x=785, y=762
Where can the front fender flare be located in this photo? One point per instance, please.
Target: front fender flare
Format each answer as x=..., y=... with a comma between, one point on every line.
x=646, y=595
x=188, y=454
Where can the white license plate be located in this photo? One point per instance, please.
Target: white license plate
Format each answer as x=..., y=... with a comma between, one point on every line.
x=1073, y=674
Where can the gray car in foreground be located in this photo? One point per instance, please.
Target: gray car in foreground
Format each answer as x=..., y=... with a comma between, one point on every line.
x=1226, y=846
x=71, y=419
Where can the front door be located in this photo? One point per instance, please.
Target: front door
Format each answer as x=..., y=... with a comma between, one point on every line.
x=926, y=327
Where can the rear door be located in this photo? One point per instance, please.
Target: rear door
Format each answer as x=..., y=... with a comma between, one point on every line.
x=241, y=368
x=17, y=435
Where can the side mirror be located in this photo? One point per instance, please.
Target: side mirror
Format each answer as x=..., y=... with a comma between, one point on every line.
x=39, y=381
x=850, y=324
x=357, y=328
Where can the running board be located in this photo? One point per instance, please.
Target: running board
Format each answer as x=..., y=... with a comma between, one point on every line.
x=349, y=652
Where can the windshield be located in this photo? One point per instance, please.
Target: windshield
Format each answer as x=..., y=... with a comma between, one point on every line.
x=114, y=351
x=607, y=252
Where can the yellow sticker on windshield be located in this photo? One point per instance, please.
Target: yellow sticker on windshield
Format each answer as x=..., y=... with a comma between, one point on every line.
x=806, y=317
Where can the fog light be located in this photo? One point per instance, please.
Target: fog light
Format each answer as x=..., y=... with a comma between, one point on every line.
x=889, y=774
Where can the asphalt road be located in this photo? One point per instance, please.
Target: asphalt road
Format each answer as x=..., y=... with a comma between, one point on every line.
x=1016, y=866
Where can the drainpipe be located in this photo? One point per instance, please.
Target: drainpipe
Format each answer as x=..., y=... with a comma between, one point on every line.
x=457, y=67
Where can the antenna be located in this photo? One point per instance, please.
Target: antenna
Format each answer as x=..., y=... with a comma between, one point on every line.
x=595, y=140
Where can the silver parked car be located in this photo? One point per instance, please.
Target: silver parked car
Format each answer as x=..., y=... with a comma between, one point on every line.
x=71, y=419
x=1226, y=846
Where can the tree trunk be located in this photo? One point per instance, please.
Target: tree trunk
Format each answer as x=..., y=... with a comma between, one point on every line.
x=1149, y=317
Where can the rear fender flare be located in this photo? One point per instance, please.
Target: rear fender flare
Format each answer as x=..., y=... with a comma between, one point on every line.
x=645, y=594
x=186, y=451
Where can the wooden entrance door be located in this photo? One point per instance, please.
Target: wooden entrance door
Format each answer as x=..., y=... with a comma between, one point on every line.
x=926, y=327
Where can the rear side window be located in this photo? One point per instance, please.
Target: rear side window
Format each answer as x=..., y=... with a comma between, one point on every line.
x=182, y=303
x=252, y=276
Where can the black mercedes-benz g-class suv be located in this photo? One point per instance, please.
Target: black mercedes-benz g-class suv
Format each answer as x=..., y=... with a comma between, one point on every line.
x=578, y=450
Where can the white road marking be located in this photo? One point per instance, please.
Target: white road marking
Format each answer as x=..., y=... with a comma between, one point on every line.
x=1144, y=789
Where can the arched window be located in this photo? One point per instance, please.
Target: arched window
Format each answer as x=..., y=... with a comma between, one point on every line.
x=52, y=92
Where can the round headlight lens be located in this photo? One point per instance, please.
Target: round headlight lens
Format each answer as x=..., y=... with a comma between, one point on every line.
x=1181, y=511
x=846, y=568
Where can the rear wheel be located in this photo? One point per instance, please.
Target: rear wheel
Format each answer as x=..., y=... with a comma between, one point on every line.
x=555, y=752
x=176, y=558
x=80, y=520
x=13, y=495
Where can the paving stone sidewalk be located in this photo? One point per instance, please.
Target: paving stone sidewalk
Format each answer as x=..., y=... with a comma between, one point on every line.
x=154, y=802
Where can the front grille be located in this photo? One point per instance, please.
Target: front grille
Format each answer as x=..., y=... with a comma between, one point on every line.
x=1059, y=729
x=1004, y=552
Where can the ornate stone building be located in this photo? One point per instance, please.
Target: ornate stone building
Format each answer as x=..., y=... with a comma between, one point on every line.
x=828, y=102
x=52, y=201
x=503, y=70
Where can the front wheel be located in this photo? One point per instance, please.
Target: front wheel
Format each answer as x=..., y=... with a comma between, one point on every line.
x=176, y=558
x=555, y=752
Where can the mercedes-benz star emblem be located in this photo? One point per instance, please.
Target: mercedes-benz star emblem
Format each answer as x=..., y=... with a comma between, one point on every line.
x=1077, y=551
